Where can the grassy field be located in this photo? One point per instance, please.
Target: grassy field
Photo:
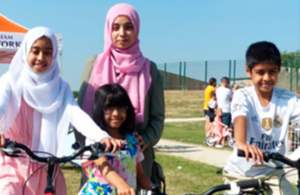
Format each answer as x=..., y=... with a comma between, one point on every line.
x=190, y=132
x=184, y=104
x=192, y=177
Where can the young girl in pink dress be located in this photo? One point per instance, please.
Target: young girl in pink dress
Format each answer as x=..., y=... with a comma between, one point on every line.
x=36, y=108
x=218, y=128
x=114, y=113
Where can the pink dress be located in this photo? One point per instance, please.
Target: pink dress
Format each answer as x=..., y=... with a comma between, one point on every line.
x=218, y=127
x=15, y=171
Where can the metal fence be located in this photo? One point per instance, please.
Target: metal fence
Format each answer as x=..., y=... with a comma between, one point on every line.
x=195, y=75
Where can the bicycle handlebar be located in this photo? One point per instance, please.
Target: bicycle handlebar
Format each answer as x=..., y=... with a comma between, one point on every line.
x=275, y=156
x=94, y=148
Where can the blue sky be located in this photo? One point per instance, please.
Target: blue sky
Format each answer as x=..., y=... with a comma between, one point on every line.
x=171, y=30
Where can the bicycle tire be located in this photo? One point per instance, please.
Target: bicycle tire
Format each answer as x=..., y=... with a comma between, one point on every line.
x=230, y=142
x=208, y=141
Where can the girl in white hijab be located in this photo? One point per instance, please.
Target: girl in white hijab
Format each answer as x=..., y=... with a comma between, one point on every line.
x=36, y=108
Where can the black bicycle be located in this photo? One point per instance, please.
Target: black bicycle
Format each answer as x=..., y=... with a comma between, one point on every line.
x=14, y=149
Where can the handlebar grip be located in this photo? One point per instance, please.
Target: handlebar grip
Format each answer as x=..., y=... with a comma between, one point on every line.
x=266, y=155
x=242, y=154
x=254, y=183
x=102, y=147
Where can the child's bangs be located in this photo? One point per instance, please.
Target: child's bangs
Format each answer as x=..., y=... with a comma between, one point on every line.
x=116, y=99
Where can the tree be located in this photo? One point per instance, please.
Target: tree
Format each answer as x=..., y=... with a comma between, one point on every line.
x=75, y=94
x=287, y=57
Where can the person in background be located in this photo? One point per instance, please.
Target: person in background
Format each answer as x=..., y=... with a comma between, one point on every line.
x=234, y=87
x=208, y=90
x=224, y=96
x=212, y=105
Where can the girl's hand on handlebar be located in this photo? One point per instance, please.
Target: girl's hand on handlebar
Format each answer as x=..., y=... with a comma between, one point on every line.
x=112, y=144
x=2, y=141
x=256, y=153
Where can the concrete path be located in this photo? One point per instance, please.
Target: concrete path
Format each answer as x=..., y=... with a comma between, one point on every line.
x=208, y=155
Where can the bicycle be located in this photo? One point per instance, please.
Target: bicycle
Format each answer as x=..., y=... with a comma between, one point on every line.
x=11, y=150
x=237, y=188
x=281, y=158
x=228, y=135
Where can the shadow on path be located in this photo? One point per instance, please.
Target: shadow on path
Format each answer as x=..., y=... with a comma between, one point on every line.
x=176, y=149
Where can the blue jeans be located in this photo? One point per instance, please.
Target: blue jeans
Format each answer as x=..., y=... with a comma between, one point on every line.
x=226, y=118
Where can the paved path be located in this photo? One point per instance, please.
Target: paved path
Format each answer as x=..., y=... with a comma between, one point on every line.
x=208, y=155
x=212, y=156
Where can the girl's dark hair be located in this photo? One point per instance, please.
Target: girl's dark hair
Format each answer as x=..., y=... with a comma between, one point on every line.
x=113, y=95
x=262, y=52
x=212, y=81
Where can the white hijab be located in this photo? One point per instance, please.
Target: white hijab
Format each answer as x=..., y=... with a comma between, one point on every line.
x=46, y=93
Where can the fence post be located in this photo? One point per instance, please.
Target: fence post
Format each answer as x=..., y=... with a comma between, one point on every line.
x=234, y=70
x=205, y=74
x=297, y=74
x=165, y=75
x=179, y=84
x=229, y=76
x=184, y=71
x=291, y=75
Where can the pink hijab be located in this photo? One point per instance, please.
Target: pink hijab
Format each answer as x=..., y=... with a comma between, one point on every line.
x=132, y=66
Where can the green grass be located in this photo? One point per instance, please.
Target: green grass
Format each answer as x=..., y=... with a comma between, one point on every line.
x=192, y=177
x=184, y=104
x=72, y=177
x=189, y=132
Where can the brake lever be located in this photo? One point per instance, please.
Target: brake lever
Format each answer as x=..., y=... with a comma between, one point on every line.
x=271, y=164
x=11, y=150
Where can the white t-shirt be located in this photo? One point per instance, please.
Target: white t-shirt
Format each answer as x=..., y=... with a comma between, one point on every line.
x=267, y=127
x=212, y=104
x=224, y=96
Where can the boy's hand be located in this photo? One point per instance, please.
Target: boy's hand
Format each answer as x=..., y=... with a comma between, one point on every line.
x=256, y=153
x=115, y=144
x=126, y=190
x=142, y=144
x=2, y=141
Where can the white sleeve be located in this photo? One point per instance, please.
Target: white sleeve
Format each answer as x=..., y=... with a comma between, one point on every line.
x=5, y=101
x=296, y=111
x=239, y=105
x=211, y=104
x=85, y=125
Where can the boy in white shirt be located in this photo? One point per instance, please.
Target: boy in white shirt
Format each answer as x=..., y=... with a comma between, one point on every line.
x=261, y=115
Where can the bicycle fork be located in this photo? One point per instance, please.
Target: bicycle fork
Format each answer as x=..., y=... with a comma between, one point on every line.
x=50, y=188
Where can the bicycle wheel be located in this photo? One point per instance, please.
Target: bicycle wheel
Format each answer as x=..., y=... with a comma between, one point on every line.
x=230, y=142
x=209, y=141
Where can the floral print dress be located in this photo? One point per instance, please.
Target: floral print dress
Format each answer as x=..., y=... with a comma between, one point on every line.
x=125, y=166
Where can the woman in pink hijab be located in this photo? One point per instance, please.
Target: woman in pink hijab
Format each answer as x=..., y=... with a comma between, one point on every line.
x=122, y=62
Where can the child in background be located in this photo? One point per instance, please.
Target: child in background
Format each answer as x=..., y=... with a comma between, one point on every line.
x=113, y=112
x=218, y=128
x=36, y=108
x=212, y=105
x=234, y=87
